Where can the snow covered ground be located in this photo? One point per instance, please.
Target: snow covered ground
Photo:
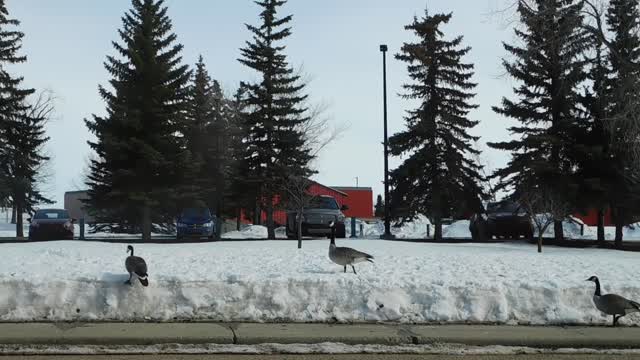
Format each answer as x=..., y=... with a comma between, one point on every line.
x=273, y=281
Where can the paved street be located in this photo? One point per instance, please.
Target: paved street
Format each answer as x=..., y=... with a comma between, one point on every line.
x=381, y=334
x=328, y=357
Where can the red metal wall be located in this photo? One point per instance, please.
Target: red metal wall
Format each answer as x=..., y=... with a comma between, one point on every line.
x=591, y=218
x=280, y=216
x=359, y=201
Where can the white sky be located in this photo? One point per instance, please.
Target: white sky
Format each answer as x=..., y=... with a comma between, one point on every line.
x=335, y=41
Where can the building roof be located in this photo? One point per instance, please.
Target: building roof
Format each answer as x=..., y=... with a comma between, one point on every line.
x=331, y=188
x=351, y=188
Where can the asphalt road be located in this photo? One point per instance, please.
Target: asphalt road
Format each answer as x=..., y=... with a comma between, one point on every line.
x=327, y=357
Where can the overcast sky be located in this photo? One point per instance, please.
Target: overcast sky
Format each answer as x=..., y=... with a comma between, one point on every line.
x=336, y=42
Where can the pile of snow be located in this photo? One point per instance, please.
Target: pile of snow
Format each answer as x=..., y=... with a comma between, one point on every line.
x=416, y=229
x=254, y=232
x=457, y=230
x=273, y=281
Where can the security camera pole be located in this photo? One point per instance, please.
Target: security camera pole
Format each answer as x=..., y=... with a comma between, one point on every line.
x=387, y=224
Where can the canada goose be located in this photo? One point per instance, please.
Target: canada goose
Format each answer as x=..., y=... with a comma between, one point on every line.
x=345, y=256
x=136, y=265
x=612, y=304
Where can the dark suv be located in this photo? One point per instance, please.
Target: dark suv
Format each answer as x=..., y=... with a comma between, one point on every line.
x=196, y=222
x=316, y=218
x=504, y=219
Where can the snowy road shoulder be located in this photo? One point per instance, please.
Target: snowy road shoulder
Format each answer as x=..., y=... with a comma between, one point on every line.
x=270, y=281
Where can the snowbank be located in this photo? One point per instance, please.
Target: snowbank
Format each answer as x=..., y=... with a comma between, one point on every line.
x=273, y=281
x=254, y=232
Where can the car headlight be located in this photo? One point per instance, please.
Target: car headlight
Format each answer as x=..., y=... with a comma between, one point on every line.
x=68, y=225
x=340, y=218
x=209, y=224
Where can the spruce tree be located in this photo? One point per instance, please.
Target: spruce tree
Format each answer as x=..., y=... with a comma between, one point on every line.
x=549, y=67
x=594, y=166
x=199, y=140
x=209, y=136
x=622, y=91
x=275, y=111
x=21, y=127
x=438, y=177
x=379, y=207
x=141, y=165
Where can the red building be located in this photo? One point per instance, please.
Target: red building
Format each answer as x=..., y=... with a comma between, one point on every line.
x=591, y=218
x=359, y=201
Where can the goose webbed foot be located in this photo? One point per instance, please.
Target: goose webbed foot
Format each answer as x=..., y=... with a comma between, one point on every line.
x=615, y=319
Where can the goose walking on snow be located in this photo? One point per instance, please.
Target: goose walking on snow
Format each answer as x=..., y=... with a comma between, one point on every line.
x=136, y=266
x=345, y=256
x=612, y=304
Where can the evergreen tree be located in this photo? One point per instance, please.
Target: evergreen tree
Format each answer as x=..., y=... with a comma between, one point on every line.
x=594, y=166
x=21, y=128
x=438, y=178
x=550, y=68
x=275, y=111
x=379, y=207
x=142, y=166
x=201, y=141
x=623, y=90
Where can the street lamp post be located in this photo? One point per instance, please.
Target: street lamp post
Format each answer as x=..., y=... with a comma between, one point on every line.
x=387, y=224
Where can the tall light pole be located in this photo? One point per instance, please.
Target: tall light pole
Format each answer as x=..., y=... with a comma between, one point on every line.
x=387, y=223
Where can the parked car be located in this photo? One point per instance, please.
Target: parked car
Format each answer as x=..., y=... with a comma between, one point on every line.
x=316, y=218
x=504, y=219
x=196, y=222
x=51, y=224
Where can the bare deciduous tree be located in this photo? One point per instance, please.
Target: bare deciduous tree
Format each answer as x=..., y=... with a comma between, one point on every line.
x=544, y=206
x=297, y=198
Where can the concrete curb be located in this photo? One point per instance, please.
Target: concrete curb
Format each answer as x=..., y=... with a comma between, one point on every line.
x=249, y=333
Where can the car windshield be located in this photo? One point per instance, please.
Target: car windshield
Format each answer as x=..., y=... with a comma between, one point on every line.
x=196, y=213
x=51, y=214
x=504, y=207
x=325, y=203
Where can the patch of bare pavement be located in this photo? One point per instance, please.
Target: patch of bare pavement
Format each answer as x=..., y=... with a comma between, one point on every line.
x=328, y=357
x=313, y=341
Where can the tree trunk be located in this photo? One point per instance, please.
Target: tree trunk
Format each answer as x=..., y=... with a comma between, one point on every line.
x=13, y=214
x=257, y=214
x=619, y=222
x=219, y=225
x=146, y=223
x=437, y=234
x=271, y=231
x=18, y=214
x=299, y=228
x=601, y=239
x=540, y=242
x=557, y=230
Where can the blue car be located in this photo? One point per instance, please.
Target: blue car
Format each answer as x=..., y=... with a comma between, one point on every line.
x=196, y=222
